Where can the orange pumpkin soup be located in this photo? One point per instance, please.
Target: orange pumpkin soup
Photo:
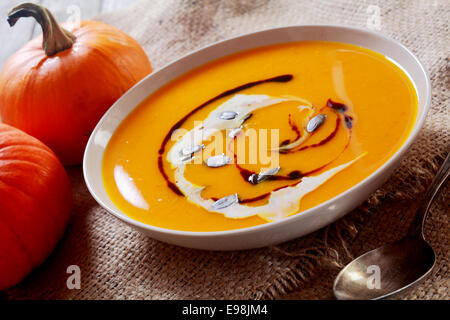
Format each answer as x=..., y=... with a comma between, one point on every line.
x=259, y=136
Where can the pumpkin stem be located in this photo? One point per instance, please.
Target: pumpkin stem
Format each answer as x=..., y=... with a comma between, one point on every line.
x=54, y=38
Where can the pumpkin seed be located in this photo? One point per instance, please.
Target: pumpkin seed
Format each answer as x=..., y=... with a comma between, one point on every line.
x=234, y=132
x=257, y=178
x=228, y=115
x=187, y=158
x=218, y=161
x=316, y=122
x=253, y=179
x=268, y=173
x=226, y=201
x=186, y=151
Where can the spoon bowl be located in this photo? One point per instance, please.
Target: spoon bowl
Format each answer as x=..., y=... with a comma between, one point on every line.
x=386, y=270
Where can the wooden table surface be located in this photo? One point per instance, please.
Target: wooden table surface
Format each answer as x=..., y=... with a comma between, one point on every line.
x=12, y=39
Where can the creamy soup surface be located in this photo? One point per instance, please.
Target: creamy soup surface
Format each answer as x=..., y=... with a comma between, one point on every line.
x=258, y=136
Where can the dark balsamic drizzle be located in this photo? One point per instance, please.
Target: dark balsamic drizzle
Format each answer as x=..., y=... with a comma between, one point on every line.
x=170, y=184
x=296, y=174
x=179, y=123
x=245, y=174
x=248, y=200
x=341, y=108
x=294, y=128
x=323, y=141
x=348, y=121
x=283, y=78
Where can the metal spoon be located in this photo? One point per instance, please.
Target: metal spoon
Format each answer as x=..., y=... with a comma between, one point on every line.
x=392, y=268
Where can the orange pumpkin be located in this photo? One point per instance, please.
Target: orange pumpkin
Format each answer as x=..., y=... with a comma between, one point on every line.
x=58, y=86
x=35, y=203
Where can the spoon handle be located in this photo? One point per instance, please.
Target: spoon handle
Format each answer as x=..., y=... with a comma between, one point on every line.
x=421, y=214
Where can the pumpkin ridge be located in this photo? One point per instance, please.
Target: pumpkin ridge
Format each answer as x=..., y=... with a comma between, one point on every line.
x=20, y=241
x=25, y=86
x=21, y=142
x=113, y=66
x=39, y=64
x=30, y=146
x=36, y=166
x=23, y=162
x=123, y=66
x=2, y=180
x=25, y=252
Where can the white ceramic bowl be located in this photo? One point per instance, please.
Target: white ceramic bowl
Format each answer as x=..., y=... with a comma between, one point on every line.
x=291, y=227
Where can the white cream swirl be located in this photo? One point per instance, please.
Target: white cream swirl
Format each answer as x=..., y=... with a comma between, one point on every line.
x=281, y=203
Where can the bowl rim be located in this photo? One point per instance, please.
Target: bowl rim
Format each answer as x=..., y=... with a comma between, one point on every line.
x=273, y=224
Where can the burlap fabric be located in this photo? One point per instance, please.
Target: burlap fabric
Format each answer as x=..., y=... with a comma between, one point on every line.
x=117, y=262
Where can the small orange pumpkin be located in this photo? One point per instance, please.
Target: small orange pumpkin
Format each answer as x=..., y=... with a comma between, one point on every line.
x=58, y=86
x=35, y=203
